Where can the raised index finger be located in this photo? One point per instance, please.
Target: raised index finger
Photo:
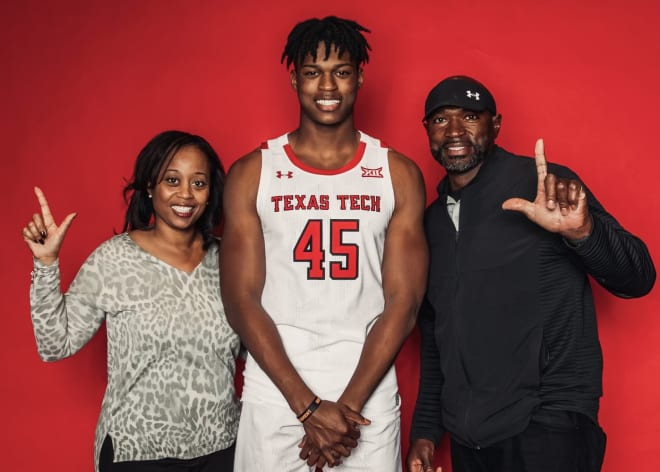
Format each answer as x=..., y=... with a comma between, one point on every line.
x=541, y=168
x=541, y=163
x=45, y=209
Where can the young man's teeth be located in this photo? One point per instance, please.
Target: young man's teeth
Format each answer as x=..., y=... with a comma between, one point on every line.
x=327, y=103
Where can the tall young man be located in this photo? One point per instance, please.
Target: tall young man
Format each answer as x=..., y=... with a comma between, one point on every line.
x=323, y=270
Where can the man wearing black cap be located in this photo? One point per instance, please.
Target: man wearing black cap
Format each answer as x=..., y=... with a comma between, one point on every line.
x=510, y=359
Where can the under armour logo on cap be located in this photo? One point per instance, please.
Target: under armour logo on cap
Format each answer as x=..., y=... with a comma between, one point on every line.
x=459, y=91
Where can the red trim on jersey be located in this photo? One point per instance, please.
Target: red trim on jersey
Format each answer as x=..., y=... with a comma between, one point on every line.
x=359, y=152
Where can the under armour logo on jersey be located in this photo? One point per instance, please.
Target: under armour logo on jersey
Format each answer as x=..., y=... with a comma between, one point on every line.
x=367, y=172
x=279, y=174
x=471, y=94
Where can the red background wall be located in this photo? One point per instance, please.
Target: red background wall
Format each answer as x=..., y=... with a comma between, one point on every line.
x=84, y=85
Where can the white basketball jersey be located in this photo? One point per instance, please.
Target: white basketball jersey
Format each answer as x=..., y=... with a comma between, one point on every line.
x=324, y=234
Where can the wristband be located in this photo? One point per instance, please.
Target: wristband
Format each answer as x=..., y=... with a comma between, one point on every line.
x=302, y=417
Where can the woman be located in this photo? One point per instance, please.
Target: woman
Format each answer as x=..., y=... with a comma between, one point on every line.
x=170, y=400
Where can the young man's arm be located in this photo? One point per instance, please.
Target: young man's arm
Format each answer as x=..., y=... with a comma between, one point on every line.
x=405, y=264
x=242, y=278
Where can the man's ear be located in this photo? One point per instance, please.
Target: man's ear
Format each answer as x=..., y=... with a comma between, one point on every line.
x=497, y=124
x=360, y=80
x=294, y=79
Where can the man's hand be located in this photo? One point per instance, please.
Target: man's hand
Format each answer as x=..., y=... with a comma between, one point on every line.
x=560, y=205
x=330, y=434
x=420, y=456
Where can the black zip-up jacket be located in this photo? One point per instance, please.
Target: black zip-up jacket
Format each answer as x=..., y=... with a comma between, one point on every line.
x=509, y=324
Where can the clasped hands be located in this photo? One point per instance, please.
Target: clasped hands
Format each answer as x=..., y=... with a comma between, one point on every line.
x=330, y=434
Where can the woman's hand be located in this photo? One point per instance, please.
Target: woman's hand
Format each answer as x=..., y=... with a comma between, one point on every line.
x=42, y=235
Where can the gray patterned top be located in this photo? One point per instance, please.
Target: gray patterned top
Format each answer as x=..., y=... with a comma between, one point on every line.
x=171, y=353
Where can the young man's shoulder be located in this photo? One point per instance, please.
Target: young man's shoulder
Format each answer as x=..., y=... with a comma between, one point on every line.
x=247, y=162
x=402, y=163
x=392, y=153
x=255, y=154
x=407, y=180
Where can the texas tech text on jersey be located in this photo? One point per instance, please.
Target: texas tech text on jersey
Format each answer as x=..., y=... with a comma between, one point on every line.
x=322, y=202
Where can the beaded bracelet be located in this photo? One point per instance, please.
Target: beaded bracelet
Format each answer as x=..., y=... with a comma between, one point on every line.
x=302, y=417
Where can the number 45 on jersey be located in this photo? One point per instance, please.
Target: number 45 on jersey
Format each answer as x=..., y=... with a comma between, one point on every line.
x=310, y=249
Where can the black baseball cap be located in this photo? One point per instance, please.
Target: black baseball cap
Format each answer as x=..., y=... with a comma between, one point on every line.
x=459, y=91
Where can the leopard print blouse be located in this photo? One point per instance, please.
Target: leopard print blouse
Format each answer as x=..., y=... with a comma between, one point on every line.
x=170, y=351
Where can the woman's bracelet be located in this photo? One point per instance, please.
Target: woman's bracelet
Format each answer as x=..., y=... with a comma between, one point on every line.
x=302, y=417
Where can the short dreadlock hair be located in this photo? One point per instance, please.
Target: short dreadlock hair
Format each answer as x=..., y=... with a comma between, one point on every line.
x=344, y=35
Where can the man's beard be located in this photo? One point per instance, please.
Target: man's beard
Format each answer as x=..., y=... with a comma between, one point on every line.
x=461, y=164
